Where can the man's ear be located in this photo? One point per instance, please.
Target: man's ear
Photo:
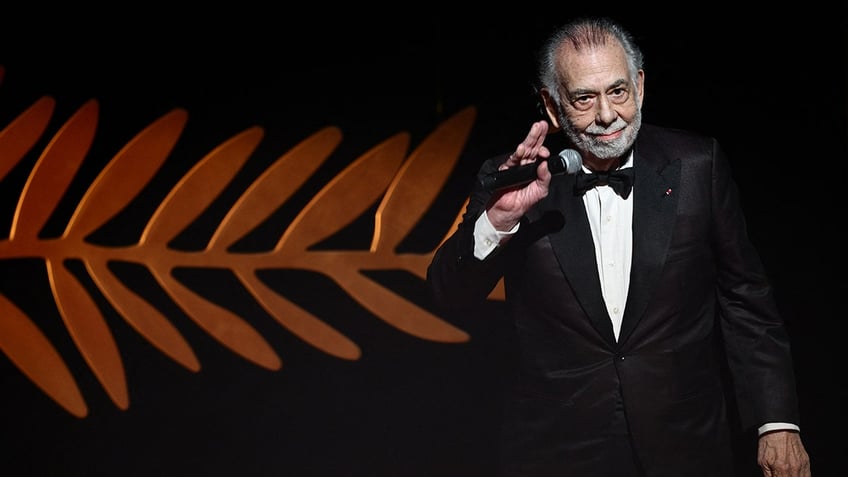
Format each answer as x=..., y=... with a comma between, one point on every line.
x=640, y=87
x=549, y=109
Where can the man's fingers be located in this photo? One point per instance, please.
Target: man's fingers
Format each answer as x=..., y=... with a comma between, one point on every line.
x=537, y=135
x=532, y=146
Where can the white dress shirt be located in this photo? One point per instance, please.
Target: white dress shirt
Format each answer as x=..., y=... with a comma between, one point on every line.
x=611, y=221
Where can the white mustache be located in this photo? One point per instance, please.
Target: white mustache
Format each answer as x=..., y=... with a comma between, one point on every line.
x=616, y=126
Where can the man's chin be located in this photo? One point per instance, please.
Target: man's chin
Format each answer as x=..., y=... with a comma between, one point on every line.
x=606, y=151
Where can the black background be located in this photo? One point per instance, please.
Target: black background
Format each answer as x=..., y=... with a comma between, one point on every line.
x=770, y=85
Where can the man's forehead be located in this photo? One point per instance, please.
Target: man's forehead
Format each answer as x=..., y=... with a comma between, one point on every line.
x=601, y=63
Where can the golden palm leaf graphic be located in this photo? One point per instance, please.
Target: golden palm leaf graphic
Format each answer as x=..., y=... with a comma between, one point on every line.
x=406, y=187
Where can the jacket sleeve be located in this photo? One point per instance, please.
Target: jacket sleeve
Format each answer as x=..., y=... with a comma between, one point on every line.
x=456, y=277
x=757, y=345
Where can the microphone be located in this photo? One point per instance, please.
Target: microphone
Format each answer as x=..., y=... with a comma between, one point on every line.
x=568, y=161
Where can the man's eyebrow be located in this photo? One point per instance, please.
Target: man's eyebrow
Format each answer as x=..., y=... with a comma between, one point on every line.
x=620, y=82
x=582, y=91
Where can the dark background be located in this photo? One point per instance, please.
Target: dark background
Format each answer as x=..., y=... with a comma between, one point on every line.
x=771, y=86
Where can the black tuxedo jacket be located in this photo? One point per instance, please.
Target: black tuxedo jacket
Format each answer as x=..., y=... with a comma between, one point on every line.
x=698, y=295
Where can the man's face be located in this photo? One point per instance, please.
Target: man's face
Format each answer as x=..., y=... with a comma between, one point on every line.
x=601, y=105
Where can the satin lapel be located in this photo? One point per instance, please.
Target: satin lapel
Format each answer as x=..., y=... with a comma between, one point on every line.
x=654, y=216
x=575, y=252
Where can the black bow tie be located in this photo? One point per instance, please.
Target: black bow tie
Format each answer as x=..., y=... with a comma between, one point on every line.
x=621, y=181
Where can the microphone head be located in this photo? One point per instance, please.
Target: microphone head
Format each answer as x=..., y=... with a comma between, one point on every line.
x=569, y=162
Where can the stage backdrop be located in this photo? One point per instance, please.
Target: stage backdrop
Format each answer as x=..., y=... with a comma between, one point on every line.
x=216, y=233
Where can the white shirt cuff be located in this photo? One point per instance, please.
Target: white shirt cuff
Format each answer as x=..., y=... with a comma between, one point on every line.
x=486, y=238
x=777, y=426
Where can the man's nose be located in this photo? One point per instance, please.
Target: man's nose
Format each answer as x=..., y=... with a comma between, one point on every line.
x=604, y=112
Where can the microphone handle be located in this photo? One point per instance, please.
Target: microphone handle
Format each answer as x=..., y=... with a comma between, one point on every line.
x=512, y=177
x=567, y=162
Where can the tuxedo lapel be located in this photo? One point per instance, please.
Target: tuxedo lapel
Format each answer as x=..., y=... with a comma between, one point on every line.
x=654, y=214
x=575, y=251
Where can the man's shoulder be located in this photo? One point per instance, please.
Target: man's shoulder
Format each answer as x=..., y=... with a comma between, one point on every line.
x=651, y=129
x=657, y=137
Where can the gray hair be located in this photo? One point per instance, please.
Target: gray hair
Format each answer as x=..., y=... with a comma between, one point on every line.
x=585, y=33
